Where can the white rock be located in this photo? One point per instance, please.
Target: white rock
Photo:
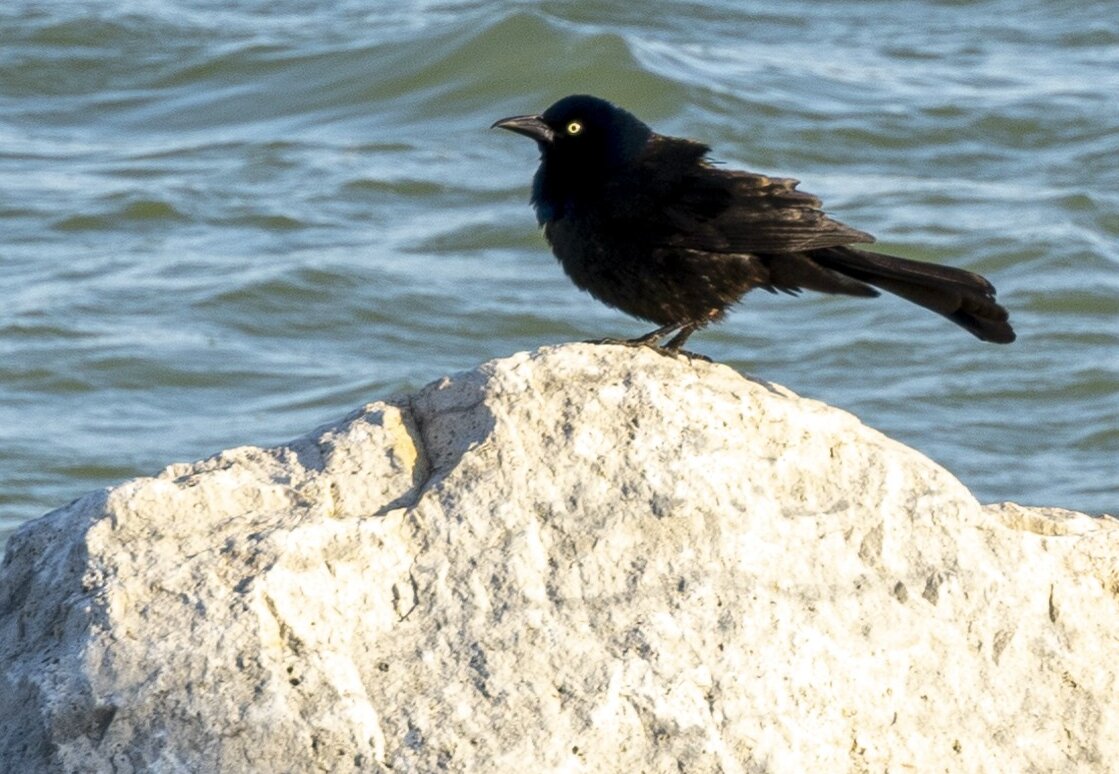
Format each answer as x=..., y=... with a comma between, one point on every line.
x=584, y=559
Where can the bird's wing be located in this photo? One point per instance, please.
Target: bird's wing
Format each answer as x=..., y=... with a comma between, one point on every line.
x=703, y=207
x=743, y=212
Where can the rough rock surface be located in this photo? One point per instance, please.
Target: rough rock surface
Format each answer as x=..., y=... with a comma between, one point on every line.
x=581, y=559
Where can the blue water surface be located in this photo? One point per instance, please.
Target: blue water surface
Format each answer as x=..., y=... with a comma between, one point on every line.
x=225, y=224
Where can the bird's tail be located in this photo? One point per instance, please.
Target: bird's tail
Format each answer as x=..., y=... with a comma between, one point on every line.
x=965, y=298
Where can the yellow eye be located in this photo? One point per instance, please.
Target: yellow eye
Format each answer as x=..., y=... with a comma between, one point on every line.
x=574, y=128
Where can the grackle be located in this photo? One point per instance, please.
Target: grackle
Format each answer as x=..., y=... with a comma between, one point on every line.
x=646, y=224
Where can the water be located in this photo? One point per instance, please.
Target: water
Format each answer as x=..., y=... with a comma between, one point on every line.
x=225, y=225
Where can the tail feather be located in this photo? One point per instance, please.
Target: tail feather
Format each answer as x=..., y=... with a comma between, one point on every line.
x=965, y=298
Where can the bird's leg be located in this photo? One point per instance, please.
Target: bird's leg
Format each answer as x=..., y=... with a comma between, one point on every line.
x=674, y=345
x=651, y=339
x=676, y=342
x=648, y=340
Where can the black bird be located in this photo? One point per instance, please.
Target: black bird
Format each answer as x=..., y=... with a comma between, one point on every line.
x=645, y=223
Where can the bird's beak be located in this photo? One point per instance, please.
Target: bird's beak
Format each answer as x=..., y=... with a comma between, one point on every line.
x=529, y=126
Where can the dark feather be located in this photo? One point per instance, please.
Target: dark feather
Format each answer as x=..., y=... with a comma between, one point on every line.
x=646, y=224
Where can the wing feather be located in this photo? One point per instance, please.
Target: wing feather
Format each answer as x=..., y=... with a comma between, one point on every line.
x=744, y=212
x=706, y=208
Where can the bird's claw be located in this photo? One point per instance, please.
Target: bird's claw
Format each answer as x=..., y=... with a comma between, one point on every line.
x=649, y=343
x=618, y=342
x=677, y=352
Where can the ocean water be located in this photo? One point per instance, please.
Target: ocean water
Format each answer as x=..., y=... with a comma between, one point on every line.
x=225, y=224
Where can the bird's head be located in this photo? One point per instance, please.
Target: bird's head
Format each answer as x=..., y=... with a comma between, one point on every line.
x=583, y=130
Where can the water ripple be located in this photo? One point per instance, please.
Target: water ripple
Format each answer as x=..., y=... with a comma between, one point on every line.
x=225, y=224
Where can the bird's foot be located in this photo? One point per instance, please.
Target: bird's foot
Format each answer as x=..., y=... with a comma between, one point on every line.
x=685, y=353
x=650, y=343
x=651, y=340
x=677, y=352
x=618, y=342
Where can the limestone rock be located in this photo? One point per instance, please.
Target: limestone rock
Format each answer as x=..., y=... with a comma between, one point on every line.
x=586, y=558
